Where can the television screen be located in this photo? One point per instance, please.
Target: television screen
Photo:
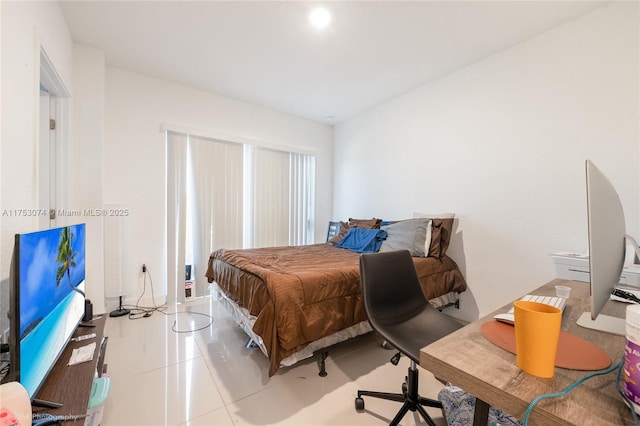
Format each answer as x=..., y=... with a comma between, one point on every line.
x=47, y=300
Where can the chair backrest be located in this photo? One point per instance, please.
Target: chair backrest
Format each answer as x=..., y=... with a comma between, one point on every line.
x=334, y=229
x=390, y=288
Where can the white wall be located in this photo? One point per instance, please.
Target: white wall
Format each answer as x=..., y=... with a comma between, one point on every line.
x=25, y=26
x=87, y=160
x=502, y=143
x=134, y=170
x=118, y=148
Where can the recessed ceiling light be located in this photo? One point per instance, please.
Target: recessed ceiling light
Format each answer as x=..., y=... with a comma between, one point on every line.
x=320, y=17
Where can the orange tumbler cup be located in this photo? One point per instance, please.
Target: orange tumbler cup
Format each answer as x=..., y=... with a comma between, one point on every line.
x=537, y=327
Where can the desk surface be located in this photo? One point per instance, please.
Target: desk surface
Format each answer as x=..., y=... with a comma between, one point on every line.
x=467, y=359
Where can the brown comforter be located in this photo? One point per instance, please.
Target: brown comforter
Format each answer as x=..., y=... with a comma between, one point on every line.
x=302, y=293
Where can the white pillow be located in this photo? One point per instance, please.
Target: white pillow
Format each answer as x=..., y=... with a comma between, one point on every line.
x=407, y=234
x=435, y=216
x=427, y=241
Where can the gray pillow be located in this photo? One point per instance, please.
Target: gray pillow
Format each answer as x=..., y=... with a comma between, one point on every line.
x=407, y=234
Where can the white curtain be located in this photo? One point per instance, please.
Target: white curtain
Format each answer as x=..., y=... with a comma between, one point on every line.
x=302, y=184
x=279, y=197
x=230, y=195
x=216, y=214
x=176, y=193
x=117, y=254
x=266, y=197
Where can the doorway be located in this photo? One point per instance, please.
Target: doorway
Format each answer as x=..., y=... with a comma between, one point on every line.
x=53, y=144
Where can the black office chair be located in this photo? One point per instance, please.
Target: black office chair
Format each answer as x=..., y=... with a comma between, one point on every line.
x=399, y=311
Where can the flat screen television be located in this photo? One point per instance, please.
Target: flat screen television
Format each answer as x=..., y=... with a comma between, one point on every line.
x=47, y=285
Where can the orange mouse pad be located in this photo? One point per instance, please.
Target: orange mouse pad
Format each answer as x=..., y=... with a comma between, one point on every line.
x=574, y=352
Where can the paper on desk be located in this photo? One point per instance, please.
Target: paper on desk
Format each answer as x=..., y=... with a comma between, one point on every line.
x=82, y=354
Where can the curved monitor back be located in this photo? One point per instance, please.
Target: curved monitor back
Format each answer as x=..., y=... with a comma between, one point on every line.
x=606, y=237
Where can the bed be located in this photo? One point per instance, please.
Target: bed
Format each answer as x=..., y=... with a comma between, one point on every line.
x=294, y=301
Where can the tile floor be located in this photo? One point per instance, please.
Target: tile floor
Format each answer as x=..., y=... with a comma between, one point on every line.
x=162, y=373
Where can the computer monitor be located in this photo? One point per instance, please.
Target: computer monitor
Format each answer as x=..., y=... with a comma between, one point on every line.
x=607, y=248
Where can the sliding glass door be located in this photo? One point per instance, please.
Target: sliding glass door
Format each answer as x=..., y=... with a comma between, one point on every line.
x=223, y=194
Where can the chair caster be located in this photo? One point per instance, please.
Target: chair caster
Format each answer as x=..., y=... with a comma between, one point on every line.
x=359, y=404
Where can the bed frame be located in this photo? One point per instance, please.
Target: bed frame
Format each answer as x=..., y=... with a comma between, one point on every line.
x=321, y=345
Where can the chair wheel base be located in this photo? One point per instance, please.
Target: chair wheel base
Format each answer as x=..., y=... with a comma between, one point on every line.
x=410, y=398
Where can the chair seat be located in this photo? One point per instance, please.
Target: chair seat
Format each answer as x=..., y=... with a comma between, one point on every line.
x=398, y=310
x=417, y=332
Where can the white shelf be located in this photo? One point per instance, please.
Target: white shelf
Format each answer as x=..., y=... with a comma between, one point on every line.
x=575, y=266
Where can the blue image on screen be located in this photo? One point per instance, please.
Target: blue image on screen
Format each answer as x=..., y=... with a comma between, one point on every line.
x=50, y=304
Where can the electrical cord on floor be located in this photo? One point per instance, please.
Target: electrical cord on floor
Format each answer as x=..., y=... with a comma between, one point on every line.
x=569, y=388
x=174, y=329
x=138, y=312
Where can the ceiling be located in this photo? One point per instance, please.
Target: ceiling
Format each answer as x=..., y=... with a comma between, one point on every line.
x=268, y=54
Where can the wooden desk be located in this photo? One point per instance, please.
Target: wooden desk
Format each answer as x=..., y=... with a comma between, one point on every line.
x=467, y=359
x=71, y=385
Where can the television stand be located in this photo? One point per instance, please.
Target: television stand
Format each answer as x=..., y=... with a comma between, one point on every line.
x=70, y=385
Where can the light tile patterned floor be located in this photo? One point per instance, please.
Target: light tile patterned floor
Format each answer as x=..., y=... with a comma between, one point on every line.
x=164, y=374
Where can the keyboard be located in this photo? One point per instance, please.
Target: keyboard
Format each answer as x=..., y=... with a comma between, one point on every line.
x=557, y=302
